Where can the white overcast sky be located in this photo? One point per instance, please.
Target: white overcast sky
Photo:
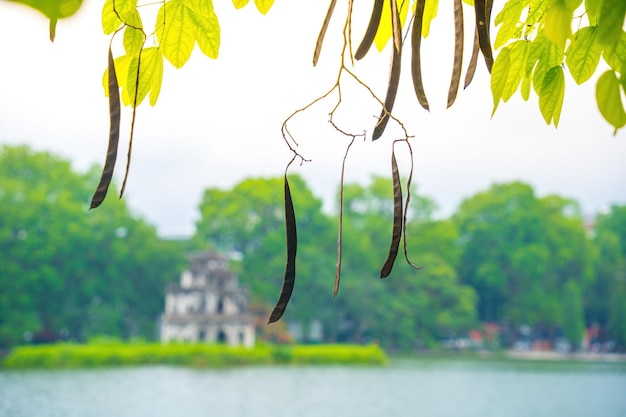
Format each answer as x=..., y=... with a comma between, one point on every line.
x=218, y=121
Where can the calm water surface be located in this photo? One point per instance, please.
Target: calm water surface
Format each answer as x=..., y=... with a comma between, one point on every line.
x=403, y=388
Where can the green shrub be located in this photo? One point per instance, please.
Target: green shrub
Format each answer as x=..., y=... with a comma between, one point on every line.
x=115, y=353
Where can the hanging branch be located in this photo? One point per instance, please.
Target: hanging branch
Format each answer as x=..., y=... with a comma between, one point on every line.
x=406, y=206
x=115, y=117
x=386, y=115
x=340, y=221
x=132, y=123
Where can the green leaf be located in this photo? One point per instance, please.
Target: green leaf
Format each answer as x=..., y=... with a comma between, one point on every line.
x=53, y=9
x=133, y=40
x=552, y=93
x=155, y=65
x=509, y=21
x=572, y=4
x=611, y=21
x=203, y=7
x=110, y=21
x=126, y=9
x=536, y=10
x=263, y=5
x=506, y=33
x=547, y=55
x=558, y=23
x=150, y=75
x=510, y=12
x=207, y=32
x=499, y=75
x=240, y=3
x=592, y=7
x=517, y=68
x=535, y=50
x=609, y=99
x=616, y=57
x=177, y=34
x=525, y=88
x=583, y=54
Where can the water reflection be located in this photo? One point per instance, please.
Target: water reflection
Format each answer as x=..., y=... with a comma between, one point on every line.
x=424, y=388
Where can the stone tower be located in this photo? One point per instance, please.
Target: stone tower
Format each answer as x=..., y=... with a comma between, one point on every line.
x=207, y=305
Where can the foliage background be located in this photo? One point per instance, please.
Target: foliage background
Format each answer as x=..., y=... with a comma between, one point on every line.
x=506, y=257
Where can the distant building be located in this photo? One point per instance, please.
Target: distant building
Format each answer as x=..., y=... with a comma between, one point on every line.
x=207, y=305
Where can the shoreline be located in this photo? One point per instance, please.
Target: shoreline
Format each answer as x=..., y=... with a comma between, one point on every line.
x=544, y=355
x=67, y=355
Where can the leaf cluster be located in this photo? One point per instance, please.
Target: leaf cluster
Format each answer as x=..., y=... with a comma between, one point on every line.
x=180, y=25
x=536, y=44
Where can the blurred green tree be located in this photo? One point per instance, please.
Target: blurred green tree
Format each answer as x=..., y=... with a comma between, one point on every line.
x=520, y=252
x=607, y=295
x=247, y=220
x=66, y=272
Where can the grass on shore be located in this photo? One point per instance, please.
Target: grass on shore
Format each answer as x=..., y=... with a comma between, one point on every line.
x=68, y=355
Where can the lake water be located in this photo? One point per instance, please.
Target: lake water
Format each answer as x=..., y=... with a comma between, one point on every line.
x=403, y=388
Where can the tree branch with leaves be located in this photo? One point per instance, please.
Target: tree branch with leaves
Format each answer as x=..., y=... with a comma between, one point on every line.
x=537, y=42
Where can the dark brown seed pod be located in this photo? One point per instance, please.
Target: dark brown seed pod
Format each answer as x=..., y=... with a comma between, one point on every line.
x=370, y=32
x=458, y=52
x=416, y=64
x=482, y=10
x=471, y=68
x=320, y=38
x=292, y=247
x=396, y=232
x=394, y=73
x=114, y=136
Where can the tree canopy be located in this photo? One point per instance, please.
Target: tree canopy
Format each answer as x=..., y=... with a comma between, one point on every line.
x=68, y=273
